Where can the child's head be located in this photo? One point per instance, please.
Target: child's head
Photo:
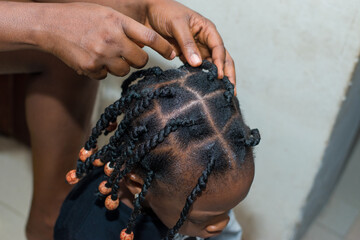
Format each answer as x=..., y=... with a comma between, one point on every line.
x=182, y=138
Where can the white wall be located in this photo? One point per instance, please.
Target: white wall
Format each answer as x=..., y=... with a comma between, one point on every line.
x=294, y=61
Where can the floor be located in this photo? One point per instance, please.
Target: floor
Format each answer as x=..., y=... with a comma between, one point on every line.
x=16, y=188
x=339, y=220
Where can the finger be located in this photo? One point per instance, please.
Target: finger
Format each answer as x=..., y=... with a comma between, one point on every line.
x=204, y=51
x=139, y=44
x=210, y=37
x=118, y=66
x=182, y=58
x=175, y=46
x=148, y=37
x=98, y=75
x=187, y=43
x=229, y=70
x=134, y=55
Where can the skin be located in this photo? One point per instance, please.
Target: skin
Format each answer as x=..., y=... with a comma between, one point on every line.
x=91, y=44
x=58, y=104
x=208, y=216
x=110, y=41
x=192, y=36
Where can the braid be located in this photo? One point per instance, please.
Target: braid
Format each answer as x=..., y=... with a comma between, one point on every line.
x=143, y=149
x=110, y=114
x=140, y=106
x=201, y=185
x=206, y=130
x=156, y=71
x=138, y=201
x=254, y=138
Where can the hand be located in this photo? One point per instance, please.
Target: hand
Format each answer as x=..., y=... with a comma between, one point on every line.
x=193, y=36
x=94, y=39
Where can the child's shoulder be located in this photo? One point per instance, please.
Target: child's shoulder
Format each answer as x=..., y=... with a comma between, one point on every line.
x=83, y=216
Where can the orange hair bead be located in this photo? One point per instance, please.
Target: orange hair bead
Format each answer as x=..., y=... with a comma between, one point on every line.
x=103, y=189
x=126, y=236
x=112, y=126
x=98, y=163
x=71, y=177
x=111, y=204
x=108, y=170
x=84, y=154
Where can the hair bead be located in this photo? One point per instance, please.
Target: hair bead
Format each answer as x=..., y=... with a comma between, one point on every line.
x=84, y=154
x=111, y=127
x=111, y=204
x=108, y=170
x=103, y=189
x=98, y=163
x=71, y=177
x=126, y=236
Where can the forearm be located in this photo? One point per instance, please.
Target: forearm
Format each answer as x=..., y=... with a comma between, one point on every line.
x=132, y=8
x=19, y=23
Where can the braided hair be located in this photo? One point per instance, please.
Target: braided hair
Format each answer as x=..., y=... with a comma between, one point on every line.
x=172, y=118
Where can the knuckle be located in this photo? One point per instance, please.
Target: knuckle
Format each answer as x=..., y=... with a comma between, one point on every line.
x=189, y=43
x=99, y=49
x=229, y=61
x=80, y=72
x=110, y=16
x=102, y=73
x=90, y=66
x=99, y=76
x=209, y=24
x=144, y=60
x=125, y=72
x=107, y=39
x=151, y=37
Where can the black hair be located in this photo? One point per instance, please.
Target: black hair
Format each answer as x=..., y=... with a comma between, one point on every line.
x=179, y=117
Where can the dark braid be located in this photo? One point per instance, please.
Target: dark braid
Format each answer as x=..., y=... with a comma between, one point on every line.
x=146, y=147
x=140, y=106
x=201, y=185
x=138, y=201
x=156, y=71
x=167, y=114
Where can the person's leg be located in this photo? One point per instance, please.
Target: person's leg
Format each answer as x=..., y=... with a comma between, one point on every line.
x=59, y=104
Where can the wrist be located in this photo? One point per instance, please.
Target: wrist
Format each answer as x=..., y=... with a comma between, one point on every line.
x=19, y=23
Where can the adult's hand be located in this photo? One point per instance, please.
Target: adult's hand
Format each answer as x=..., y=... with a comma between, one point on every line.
x=93, y=39
x=192, y=35
x=90, y=38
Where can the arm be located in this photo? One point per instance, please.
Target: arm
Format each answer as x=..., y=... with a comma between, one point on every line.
x=90, y=38
x=132, y=8
x=193, y=36
x=17, y=33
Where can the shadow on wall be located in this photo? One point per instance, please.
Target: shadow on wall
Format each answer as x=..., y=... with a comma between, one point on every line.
x=247, y=221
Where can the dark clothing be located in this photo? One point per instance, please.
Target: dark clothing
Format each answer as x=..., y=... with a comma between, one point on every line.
x=84, y=217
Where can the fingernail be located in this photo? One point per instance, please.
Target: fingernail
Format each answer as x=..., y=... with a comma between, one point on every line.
x=195, y=59
x=173, y=55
